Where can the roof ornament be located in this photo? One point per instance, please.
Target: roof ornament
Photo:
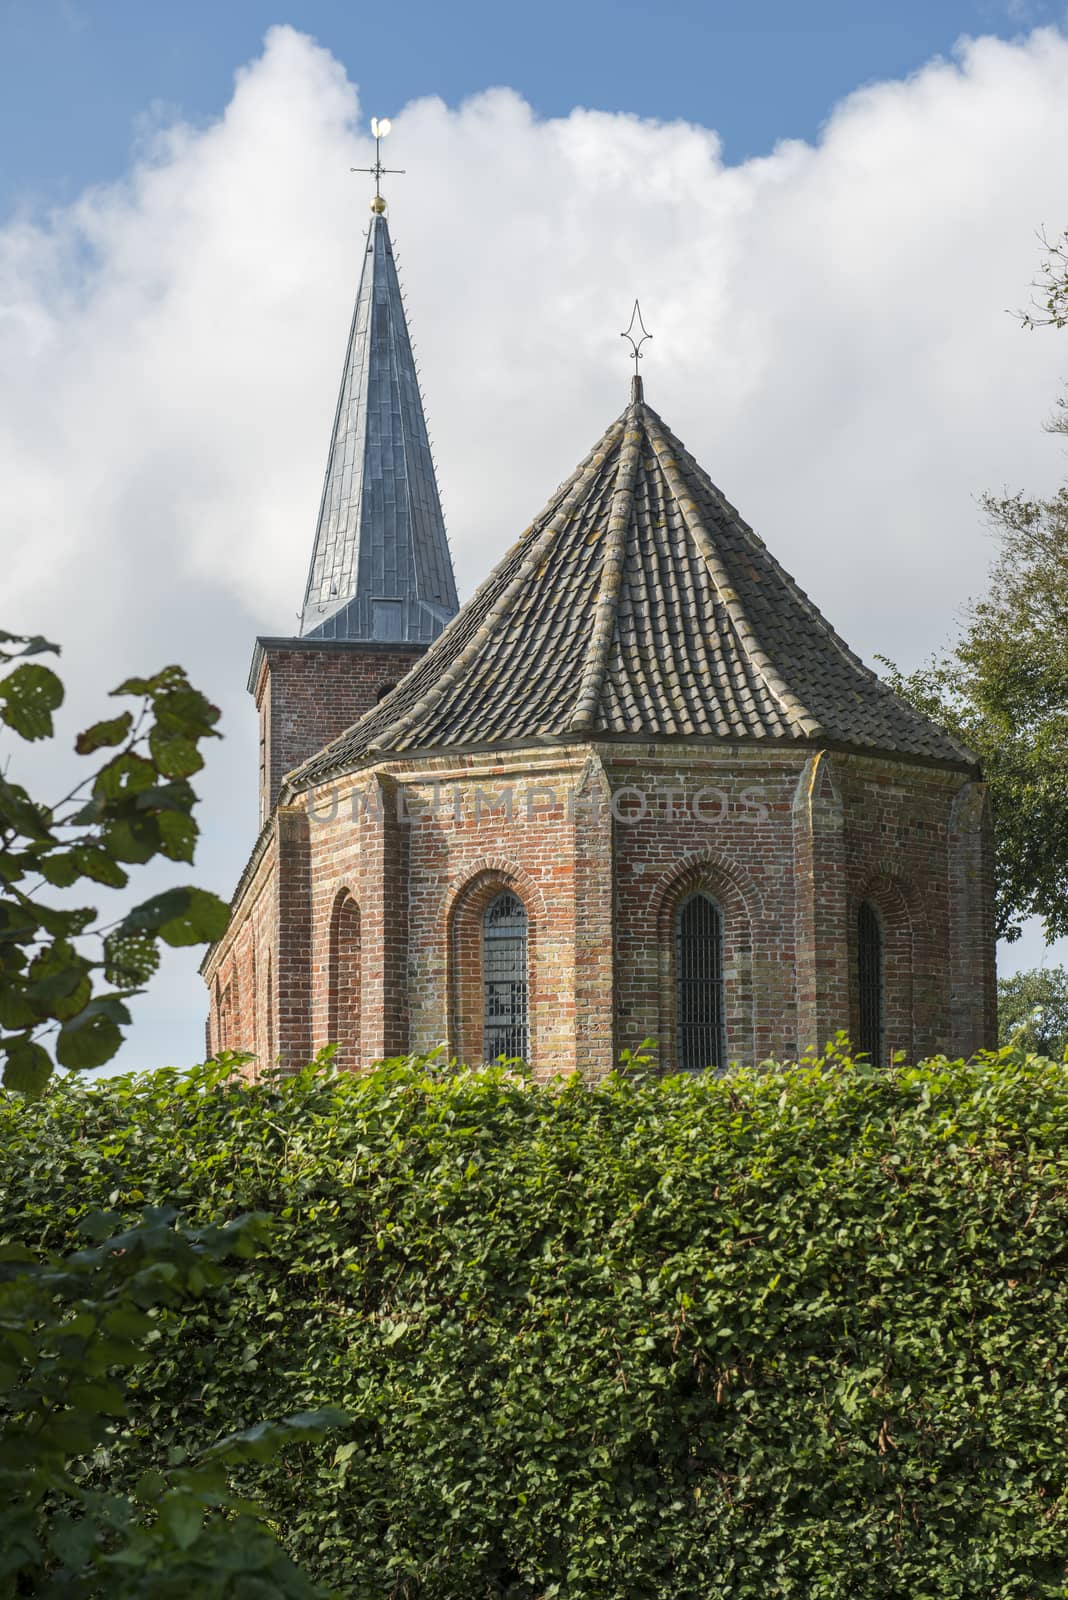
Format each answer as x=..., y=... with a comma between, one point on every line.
x=380, y=126
x=636, y=342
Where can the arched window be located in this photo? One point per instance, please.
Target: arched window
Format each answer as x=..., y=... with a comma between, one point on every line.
x=701, y=1038
x=344, y=996
x=382, y=690
x=504, y=978
x=870, y=974
x=220, y=1021
x=270, y=1014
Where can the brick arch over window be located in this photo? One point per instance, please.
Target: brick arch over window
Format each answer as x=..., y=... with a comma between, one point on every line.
x=740, y=907
x=231, y=1012
x=468, y=900
x=902, y=926
x=344, y=992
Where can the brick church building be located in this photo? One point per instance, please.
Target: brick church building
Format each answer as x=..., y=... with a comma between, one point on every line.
x=635, y=788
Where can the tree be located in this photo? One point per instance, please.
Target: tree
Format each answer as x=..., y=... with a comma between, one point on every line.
x=136, y=805
x=1003, y=687
x=73, y=1332
x=1050, y=309
x=1033, y=1011
x=1003, y=691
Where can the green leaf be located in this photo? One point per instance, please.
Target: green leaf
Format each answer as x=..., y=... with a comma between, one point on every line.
x=20, y=812
x=97, y=864
x=175, y=754
x=58, y=980
x=16, y=1011
x=166, y=798
x=125, y=774
x=178, y=836
x=89, y=1039
x=183, y=710
x=59, y=868
x=28, y=1067
x=112, y=731
x=72, y=1540
x=103, y=1398
x=181, y=1517
x=28, y=696
x=149, y=1487
x=263, y=1441
x=135, y=839
x=18, y=924
x=179, y=916
x=32, y=645
x=130, y=959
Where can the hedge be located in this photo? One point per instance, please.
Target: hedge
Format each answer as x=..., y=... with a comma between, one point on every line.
x=794, y=1332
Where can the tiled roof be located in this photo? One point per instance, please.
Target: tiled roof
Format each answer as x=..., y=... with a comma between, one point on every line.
x=637, y=604
x=380, y=568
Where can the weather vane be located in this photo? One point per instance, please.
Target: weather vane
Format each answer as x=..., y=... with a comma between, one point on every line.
x=636, y=340
x=380, y=126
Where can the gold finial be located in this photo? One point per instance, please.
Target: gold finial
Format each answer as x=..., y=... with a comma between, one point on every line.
x=380, y=126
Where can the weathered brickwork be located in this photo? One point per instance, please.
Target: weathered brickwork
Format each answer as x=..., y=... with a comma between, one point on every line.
x=365, y=908
x=308, y=692
x=638, y=706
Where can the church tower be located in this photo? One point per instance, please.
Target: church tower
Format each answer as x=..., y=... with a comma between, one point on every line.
x=380, y=585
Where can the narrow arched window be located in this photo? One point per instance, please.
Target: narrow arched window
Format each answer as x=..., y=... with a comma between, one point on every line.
x=870, y=974
x=504, y=978
x=344, y=994
x=383, y=690
x=699, y=1000
x=270, y=1013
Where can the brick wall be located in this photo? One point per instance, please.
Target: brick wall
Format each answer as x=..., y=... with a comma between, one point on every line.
x=308, y=693
x=382, y=889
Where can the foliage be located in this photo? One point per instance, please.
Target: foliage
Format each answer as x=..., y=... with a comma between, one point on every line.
x=1033, y=1010
x=1050, y=309
x=68, y=1329
x=1003, y=688
x=787, y=1333
x=136, y=805
x=1003, y=691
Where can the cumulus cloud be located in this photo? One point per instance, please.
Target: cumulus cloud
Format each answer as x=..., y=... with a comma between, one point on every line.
x=830, y=339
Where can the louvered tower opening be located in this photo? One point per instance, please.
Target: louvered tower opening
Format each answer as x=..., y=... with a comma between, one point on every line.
x=870, y=973
x=699, y=990
x=504, y=977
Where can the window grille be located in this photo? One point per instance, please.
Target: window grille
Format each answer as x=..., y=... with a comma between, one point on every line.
x=699, y=995
x=504, y=973
x=870, y=973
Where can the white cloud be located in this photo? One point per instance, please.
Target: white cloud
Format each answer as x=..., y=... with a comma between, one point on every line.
x=829, y=329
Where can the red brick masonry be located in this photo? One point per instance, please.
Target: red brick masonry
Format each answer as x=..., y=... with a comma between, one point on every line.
x=363, y=919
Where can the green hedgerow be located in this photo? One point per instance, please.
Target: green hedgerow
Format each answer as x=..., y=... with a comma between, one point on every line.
x=796, y=1332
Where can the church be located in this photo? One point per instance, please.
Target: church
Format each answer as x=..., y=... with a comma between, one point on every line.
x=636, y=788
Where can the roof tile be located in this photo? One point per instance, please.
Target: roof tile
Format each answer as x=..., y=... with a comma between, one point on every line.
x=638, y=603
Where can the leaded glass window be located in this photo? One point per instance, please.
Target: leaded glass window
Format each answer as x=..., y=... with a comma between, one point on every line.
x=870, y=973
x=699, y=997
x=504, y=976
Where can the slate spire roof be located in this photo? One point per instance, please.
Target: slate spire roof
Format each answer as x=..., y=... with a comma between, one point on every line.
x=638, y=604
x=380, y=567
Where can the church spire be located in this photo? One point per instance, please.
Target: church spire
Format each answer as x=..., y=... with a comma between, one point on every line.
x=380, y=569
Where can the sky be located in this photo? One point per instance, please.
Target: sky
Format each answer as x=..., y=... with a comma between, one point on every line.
x=828, y=218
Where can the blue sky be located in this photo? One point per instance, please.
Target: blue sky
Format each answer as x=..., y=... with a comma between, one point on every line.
x=78, y=79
